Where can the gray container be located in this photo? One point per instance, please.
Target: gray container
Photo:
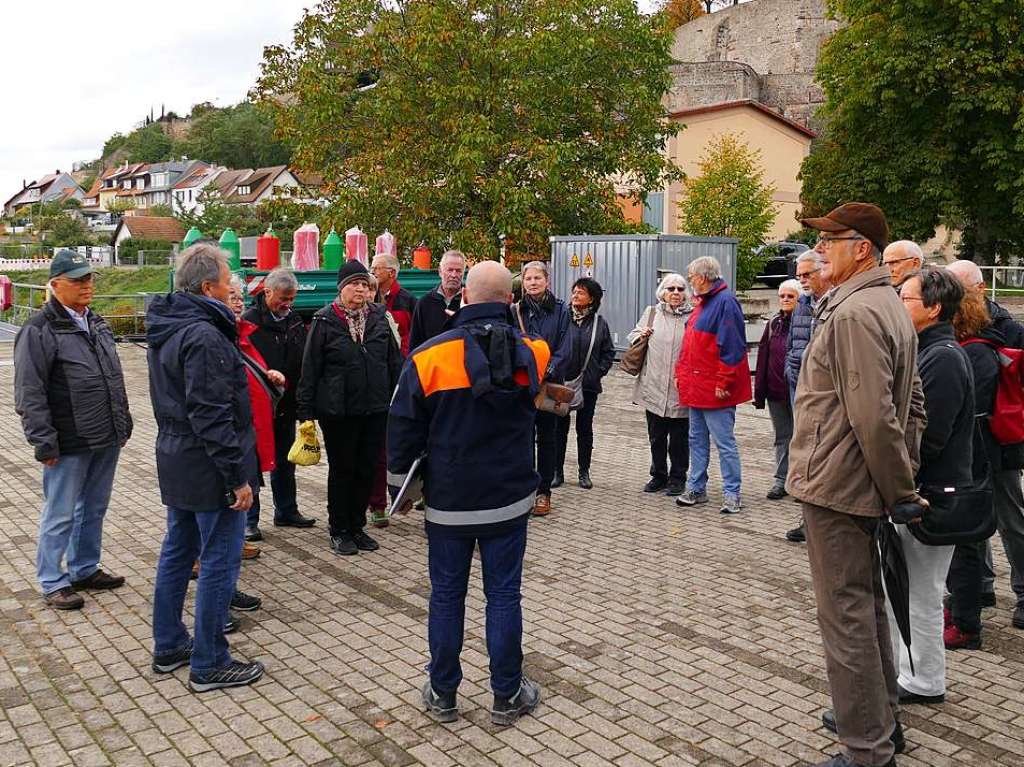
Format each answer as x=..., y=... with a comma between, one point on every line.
x=628, y=267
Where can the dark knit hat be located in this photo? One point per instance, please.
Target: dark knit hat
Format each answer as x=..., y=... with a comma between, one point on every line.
x=352, y=270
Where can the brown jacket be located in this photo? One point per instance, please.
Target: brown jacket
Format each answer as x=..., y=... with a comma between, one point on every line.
x=859, y=405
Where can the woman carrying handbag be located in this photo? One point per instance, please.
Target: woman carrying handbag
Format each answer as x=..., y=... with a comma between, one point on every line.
x=591, y=357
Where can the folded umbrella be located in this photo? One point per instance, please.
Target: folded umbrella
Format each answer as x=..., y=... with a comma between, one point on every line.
x=897, y=580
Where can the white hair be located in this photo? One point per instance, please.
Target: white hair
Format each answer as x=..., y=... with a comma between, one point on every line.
x=388, y=260
x=706, y=267
x=672, y=279
x=453, y=254
x=909, y=248
x=793, y=285
x=810, y=255
x=281, y=279
x=967, y=272
x=236, y=283
x=539, y=265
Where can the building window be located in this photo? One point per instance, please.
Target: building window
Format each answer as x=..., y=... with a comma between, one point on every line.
x=654, y=211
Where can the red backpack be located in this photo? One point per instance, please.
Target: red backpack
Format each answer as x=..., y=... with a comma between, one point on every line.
x=1007, y=418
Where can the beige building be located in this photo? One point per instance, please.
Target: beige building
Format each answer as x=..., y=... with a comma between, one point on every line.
x=783, y=145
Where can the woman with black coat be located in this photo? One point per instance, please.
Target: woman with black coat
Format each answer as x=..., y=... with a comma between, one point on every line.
x=349, y=372
x=585, y=326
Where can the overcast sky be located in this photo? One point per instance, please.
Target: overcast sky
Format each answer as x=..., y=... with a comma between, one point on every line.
x=77, y=72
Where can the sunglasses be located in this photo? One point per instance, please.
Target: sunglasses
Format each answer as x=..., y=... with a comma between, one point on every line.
x=675, y=289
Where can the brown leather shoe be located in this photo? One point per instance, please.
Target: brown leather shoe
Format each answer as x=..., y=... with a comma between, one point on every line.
x=99, y=581
x=543, y=506
x=250, y=550
x=64, y=599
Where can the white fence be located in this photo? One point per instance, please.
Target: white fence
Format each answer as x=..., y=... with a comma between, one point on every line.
x=17, y=258
x=1006, y=280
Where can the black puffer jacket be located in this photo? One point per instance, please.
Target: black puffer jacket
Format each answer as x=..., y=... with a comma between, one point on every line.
x=342, y=378
x=68, y=384
x=281, y=344
x=205, y=442
x=1011, y=330
x=948, y=383
x=601, y=358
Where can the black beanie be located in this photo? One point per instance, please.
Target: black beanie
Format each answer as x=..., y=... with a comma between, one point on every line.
x=351, y=270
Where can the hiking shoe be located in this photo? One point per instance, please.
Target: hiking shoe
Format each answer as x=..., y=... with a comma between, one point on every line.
x=245, y=602
x=585, y=482
x=253, y=534
x=442, y=707
x=64, y=599
x=557, y=480
x=235, y=674
x=691, y=498
x=167, y=662
x=506, y=710
x=232, y=624
x=797, y=535
x=776, y=493
x=730, y=505
x=379, y=518
x=343, y=545
x=1018, y=617
x=250, y=550
x=99, y=581
x=906, y=697
x=364, y=542
x=988, y=599
x=543, y=506
x=674, y=488
x=828, y=719
x=656, y=485
x=955, y=639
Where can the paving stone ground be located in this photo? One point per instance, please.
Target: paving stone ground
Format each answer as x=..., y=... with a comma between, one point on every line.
x=660, y=636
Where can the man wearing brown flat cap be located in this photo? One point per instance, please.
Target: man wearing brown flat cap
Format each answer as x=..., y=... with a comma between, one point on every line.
x=852, y=460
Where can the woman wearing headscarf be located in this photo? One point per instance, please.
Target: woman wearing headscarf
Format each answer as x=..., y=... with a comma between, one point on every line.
x=542, y=315
x=591, y=355
x=770, y=386
x=668, y=426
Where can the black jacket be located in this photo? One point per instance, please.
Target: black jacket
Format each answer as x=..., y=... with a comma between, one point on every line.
x=68, y=384
x=342, y=378
x=430, y=316
x=281, y=344
x=984, y=359
x=948, y=383
x=601, y=358
x=1011, y=330
x=205, y=442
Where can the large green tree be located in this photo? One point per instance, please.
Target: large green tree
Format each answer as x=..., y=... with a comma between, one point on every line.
x=241, y=136
x=925, y=117
x=456, y=121
x=148, y=144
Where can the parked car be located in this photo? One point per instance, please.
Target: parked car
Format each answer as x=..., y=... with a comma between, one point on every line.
x=781, y=262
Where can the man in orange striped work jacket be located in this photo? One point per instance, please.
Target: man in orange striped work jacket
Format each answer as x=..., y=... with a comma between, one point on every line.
x=465, y=399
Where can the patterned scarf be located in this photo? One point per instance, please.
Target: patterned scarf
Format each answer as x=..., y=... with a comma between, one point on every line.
x=579, y=315
x=355, y=318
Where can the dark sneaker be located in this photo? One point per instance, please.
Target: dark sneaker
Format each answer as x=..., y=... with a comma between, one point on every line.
x=295, y=520
x=442, y=707
x=558, y=479
x=674, y=488
x=655, y=485
x=842, y=760
x=797, y=534
x=1018, y=617
x=507, y=710
x=232, y=624
x=828, y=719
x=907, y=697
x=64, y=599
x=235, y=674
x=988, y=599
x=344, y=545
x=585, y=482
x=253, y=534
x=691, y=498
x=364, y=542
x=169, y=661
x=99, y=581
x=245, y=602
x=776, y=493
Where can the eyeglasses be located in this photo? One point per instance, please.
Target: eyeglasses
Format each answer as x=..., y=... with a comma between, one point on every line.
x=904, y=299
x=897, y=260
x=87, y=279
x=827, y=241
x=675, y=289
x=807, y=275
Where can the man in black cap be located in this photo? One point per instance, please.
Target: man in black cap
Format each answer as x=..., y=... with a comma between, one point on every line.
x=859, y=413
x=69, y=391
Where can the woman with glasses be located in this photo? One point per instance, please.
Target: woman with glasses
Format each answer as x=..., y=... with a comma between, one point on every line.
x=770, y=387
x=668, y=425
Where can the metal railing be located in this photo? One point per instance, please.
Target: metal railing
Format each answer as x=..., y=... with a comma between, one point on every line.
x=125, y=313
x=146, y=258
x=1004, y=280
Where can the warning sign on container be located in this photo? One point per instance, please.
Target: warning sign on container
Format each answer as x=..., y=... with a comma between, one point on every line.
x=574, y=262
x=588, y=260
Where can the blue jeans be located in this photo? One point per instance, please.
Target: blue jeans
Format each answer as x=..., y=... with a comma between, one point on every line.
x=76, y=493
x=449, y=558
x=215, y=539
x=714, y=424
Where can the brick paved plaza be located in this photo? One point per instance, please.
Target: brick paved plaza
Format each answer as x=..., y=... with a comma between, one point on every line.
x=660, y=636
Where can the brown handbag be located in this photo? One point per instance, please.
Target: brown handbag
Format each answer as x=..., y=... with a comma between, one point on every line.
x=552, y=398
x=633, y=360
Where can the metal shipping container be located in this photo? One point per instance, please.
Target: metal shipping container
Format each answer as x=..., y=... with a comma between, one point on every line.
x=628, y=267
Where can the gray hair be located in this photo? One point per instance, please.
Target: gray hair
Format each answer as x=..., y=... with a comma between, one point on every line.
x=281, y=279
x=236, y=283
x=388, y=259
x=810, y=255
x=793, y=285
x=671, y=279
x=543, y=267
x=197, y=264
x=909, y=248
x=453, y=254
x=706, y=267
x=966, y=271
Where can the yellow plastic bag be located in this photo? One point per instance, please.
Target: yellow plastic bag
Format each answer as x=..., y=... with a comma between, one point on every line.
x=306, y=448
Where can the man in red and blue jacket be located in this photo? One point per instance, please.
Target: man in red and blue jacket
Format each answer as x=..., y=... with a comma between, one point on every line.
x=465, y=400
x=399, y=301
x=713, y=378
